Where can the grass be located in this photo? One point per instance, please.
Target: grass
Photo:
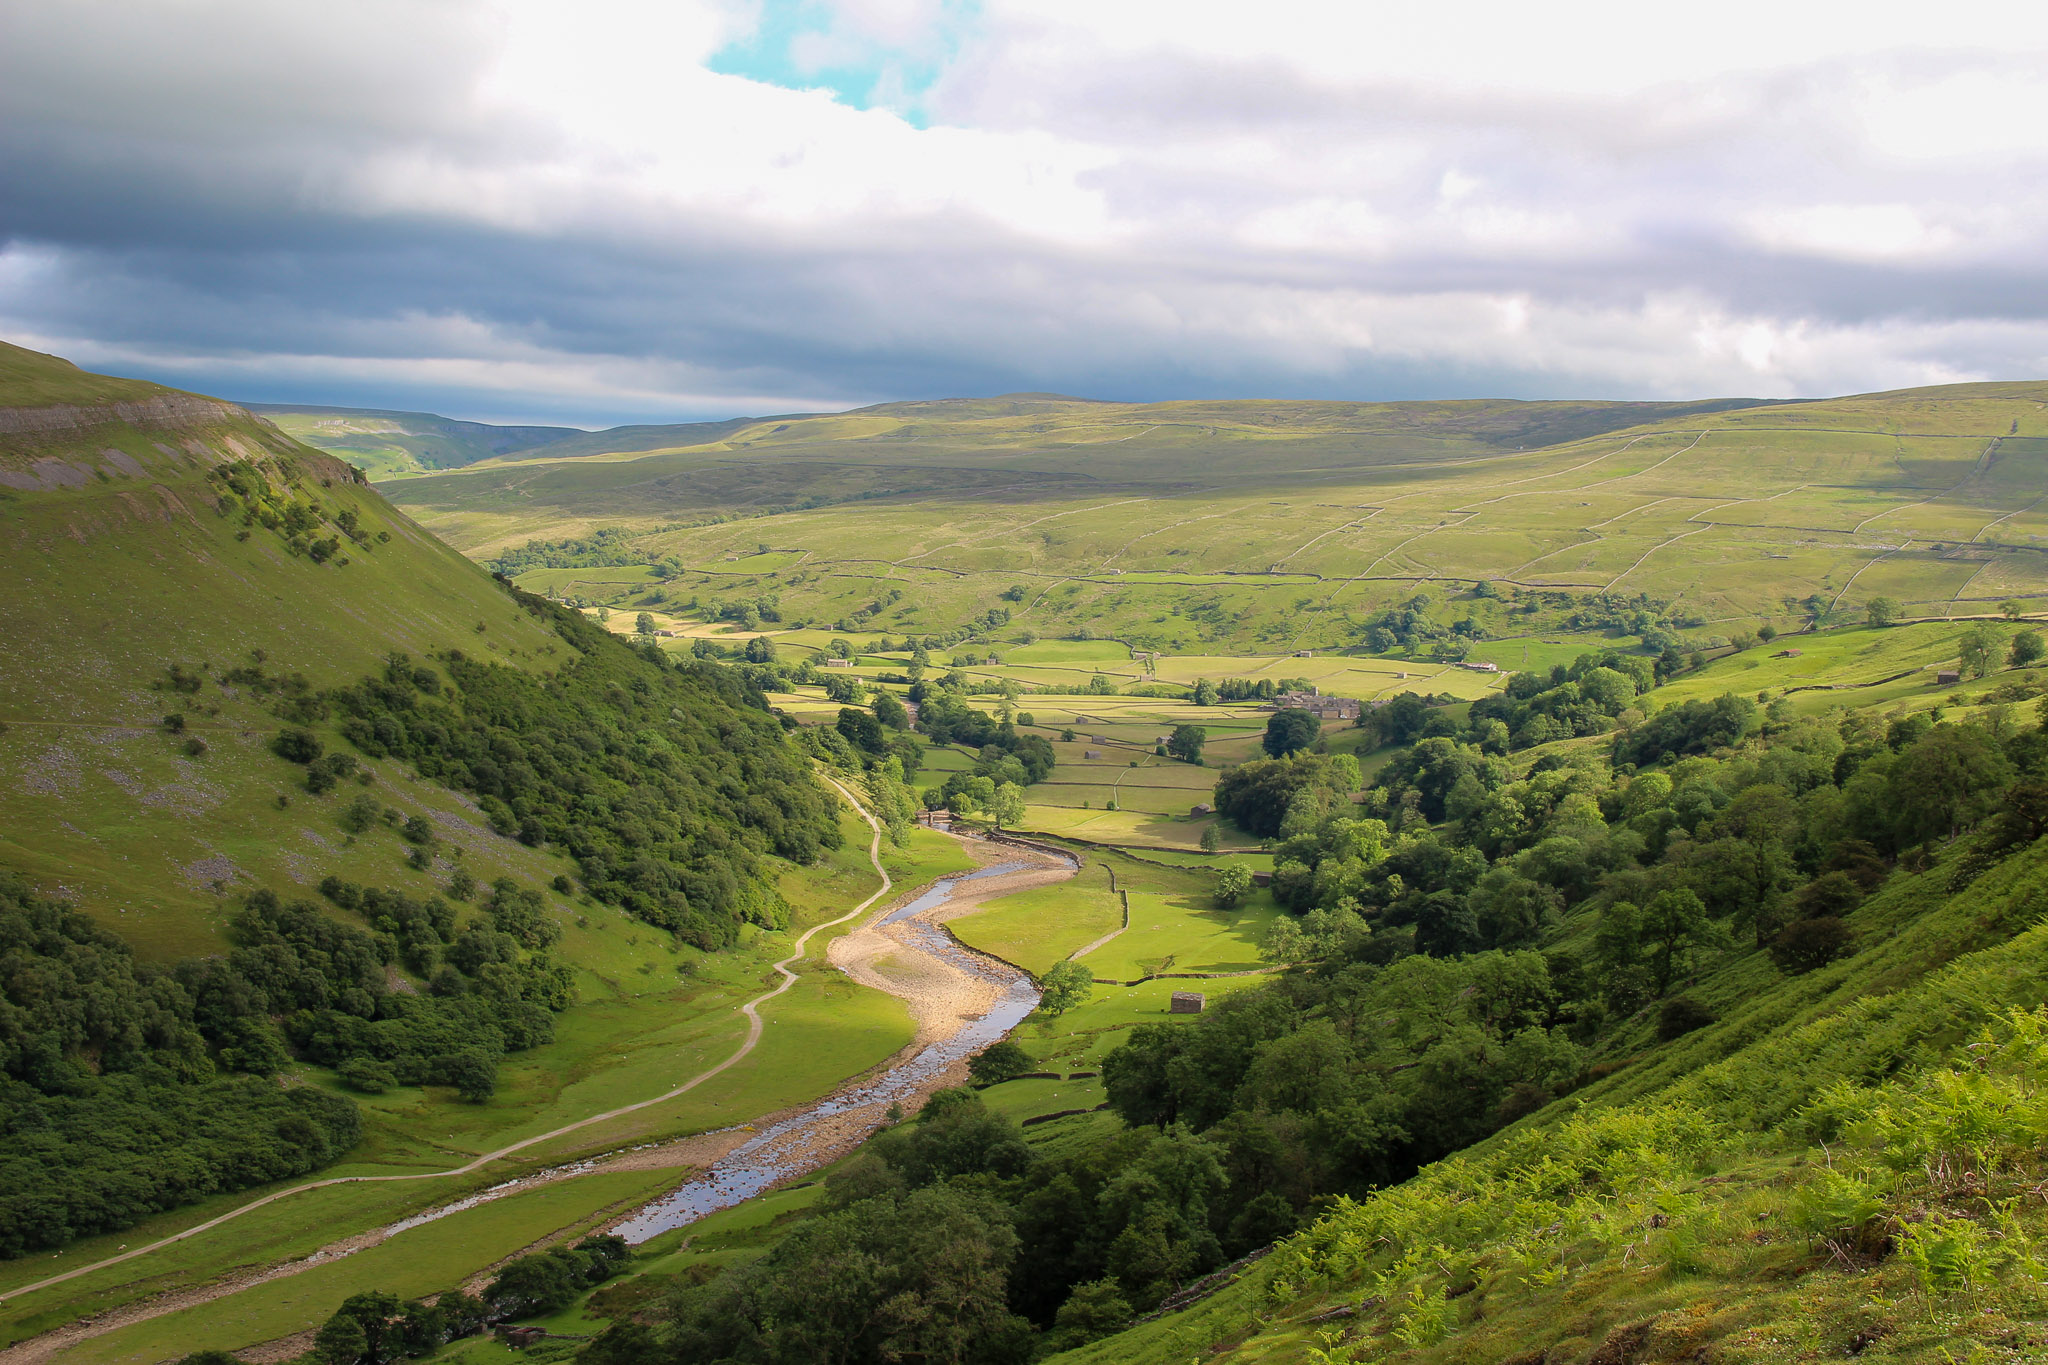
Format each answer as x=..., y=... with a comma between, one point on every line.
x=1253, y=530
x=1854, y=665
x=638, y=1037
x=1674, y=1193
x=1176, y=928
x=1036, y=929
x=31, y=379
x=422, y=1260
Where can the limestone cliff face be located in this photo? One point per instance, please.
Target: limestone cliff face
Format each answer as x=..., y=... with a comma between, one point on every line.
x=165, y=410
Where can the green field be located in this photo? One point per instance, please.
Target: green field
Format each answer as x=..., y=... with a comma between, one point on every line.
x=1266, y=528
x=1035, y=929
x=614, y=1048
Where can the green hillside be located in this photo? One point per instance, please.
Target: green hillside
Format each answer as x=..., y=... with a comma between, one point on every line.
x=1653, y=977
x=141, y=564
x=389, y=444
x=321, y=850
x=1243, y=527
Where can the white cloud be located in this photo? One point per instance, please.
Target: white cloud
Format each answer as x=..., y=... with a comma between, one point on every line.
x=1134, y=197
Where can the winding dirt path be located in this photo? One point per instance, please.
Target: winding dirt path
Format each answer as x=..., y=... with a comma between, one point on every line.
x=942, y=996
x=41, y=1347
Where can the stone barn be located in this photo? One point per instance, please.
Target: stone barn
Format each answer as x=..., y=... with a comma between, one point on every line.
x=1186, y=1002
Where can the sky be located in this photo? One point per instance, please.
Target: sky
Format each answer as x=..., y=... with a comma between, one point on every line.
x=664, y=210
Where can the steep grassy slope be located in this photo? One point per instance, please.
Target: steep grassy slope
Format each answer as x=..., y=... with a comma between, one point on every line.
x=1847, y=1164
x=126, y=555
x=1216, y=527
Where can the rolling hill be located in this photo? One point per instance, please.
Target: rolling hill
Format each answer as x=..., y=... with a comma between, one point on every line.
x=1262, y=527
x=302, y=856
x=392, y=444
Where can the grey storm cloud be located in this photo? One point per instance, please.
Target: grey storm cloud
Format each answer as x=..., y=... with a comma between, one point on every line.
x=506, y=209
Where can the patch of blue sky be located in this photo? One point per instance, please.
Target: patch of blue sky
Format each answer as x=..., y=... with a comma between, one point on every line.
x=806, y=45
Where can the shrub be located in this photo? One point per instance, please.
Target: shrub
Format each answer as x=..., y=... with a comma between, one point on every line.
x=1233, y=884
x=368, y=1075
x=1830, y=895
x=1682, y=1015
x=1808, y=944
x=998, y=1063
x=297, y=746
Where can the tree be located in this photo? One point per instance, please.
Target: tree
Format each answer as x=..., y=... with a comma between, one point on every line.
x=473, y=1074
x=340, y=1341
x=890, y=711
x=1881, y=611
x=1681, y=1015
x=1256, y=795
x=1949, y=779
x=1212, y=837
x=1673, y=924
x=1828, y=896
x=1064, y=985
x=297, y=746
x=1979, y=651
x=374, y=1312
x=1808, y=944
x=919, y=1276
x=862, y=730
x=760, y=650
x=1006, y=808
x=2012, y=610
x=1767, y=632
x=644, y=624
x=1186, y=741
x=1205, y=693
x=998, y=1062
x=1233, y=884
x=2028, y=647
x=1094, y=1310
x=1289, y=731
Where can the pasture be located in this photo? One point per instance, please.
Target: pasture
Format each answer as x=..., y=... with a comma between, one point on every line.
x=641, y=1026
x=1265, y=528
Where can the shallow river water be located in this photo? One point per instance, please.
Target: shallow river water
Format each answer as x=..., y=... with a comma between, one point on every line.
x=821, y=1131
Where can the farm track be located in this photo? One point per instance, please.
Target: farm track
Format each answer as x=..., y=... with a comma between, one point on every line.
x=938, y=1004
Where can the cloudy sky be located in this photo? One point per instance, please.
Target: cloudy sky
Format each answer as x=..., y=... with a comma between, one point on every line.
x=631, y=210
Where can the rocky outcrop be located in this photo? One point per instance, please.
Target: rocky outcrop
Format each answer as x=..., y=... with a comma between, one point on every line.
x=166, y=410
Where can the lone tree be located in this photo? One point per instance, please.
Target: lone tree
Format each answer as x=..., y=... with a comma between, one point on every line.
x=760, y=650
x=1006, y=807
x=1064, y=985
x=1186, y=741
x=2027, y=648
x=2012, y=610
x=1978, y=653
x=644, y=624
x=1881, y=611
x=1233, y=884
x=1206, y=693
x=1290, y=731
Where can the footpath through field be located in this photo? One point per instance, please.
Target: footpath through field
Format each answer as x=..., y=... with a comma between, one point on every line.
x=953, y=995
